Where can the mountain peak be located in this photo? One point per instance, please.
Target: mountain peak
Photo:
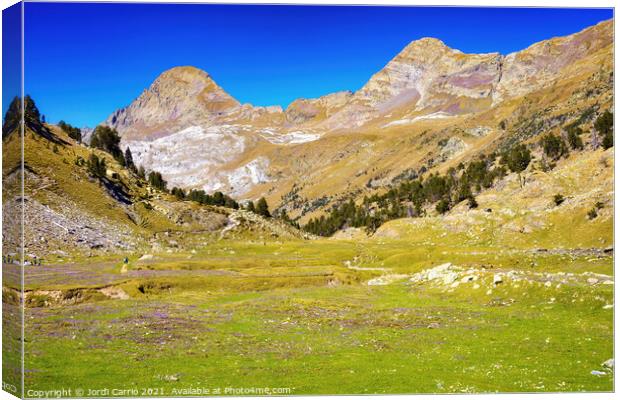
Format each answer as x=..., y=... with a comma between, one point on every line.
x=428, y=41
x=427, y=44
x=185, y=72
x=179, y=97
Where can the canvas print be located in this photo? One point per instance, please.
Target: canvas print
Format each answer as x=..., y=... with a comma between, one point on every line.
x=218, y=200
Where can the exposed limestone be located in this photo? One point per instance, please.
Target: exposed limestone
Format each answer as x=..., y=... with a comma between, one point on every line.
x=450, y=276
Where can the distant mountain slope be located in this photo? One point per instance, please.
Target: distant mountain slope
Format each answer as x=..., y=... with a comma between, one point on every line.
x=318, y=151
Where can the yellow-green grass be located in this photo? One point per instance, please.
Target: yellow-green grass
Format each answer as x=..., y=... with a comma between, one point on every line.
x=291, y=314
x=320, y=340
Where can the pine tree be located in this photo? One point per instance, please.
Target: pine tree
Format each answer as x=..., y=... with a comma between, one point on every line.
x=517, y=160
x=141, y=172
x=604, y=125
x=157, y=181
x=73, y=132
x=178, y=193
x=12, y=118
x=108, y=140
x=262, y=208
x=129, y=160
x=96, y=166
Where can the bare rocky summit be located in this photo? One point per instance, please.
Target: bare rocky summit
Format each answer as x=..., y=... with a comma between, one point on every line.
x=187, y=127
x=179, y=97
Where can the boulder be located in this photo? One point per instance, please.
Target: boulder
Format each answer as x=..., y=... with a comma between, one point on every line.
x=450, y=277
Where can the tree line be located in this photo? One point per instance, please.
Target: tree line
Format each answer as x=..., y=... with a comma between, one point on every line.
x=412, y=196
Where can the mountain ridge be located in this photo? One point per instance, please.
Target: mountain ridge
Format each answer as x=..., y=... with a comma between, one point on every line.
x=426, y=89
x=424, y=69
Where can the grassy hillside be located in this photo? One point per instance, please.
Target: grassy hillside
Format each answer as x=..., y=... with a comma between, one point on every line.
x=315, y=176
x=72, y=213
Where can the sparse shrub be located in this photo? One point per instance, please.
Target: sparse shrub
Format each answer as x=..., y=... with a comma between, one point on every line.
x=96, y=166
x=573, y=133
x=608, y=140
x=443, y=206
x=553, y=146
x=592, y=213
x=262, y=208
x=472, y=202
x=604, y=126
x=558, y=199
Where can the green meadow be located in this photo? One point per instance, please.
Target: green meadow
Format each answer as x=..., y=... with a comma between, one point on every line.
x=299, y=316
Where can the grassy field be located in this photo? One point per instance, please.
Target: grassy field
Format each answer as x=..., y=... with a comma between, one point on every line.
x=524, y=305
x=299, y=315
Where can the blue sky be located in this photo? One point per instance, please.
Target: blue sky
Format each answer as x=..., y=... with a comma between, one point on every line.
x=83, y=61
x=11, y=55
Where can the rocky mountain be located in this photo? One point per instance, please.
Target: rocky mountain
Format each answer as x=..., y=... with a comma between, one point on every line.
x=179, y=97
x=313, y=110
x=316, y=151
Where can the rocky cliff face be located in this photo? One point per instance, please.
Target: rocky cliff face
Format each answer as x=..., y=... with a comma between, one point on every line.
x=542, y=63
x=314, y=110
x=427, y=69
x=428, y=77
x=178, y=98
x=234, y=146
x=425, y=77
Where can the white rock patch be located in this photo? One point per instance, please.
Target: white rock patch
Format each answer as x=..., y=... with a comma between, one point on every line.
x=407, y=121
x=295, y=137
x=189, y=157
x=243, y=178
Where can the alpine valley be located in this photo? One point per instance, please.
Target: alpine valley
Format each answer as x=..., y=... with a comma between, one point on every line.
x=446, y=228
